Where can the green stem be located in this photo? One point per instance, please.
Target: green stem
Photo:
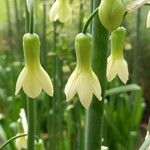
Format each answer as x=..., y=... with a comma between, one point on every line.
x=44, y=35
x=31, y=122
x=17, y=17
x=10, y=34
x=93, y=133
x=54, y=102
x=89, y=20
x=11, y=139
x=31, y=18
x=26, y=19
x=136, y=48
x=81, y=15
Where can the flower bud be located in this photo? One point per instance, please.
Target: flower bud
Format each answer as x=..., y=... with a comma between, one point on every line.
x=111, y=13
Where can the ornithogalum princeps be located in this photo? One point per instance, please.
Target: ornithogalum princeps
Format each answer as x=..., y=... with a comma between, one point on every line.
x=33, y=78
x=60, y=10
x=116, y=64
x=111, y=13
x=83, y=80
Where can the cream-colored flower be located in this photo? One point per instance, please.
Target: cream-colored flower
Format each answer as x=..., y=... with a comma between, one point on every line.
x=116, y=64
x=33, y=78
x=83, y=80
x=148, y=20
x=60, y=10
x=21, y=142
x=136, y=4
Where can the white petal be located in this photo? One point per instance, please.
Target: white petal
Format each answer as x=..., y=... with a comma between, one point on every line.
x=111, y=70
x=70, y=88
x=96, y=86
x=24, y=120
x=53, y=14
x=64, y=12
x=31, y=84
x=84, y=90
x=122, y=70
x=148, y=20
x=20, y=80
x=46, y=82
x=21, y=143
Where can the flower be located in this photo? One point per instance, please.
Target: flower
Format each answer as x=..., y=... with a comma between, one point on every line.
x=83, y=80
x=111, y=13
x=21, y=142
x=148, y=20
x=60, y=10
x=136, y=4
x=33, y=78
x=116, y=64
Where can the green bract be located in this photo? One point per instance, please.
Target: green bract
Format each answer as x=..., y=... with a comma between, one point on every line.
x=84, y=46
x=31, y=44
x=111, y=13
x=118, y=42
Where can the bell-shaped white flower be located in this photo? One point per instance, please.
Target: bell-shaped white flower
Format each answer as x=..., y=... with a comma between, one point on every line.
x=83, y=80
x=33, y=78
x=116, y=64
x=148, y=20
x=21, y=142
x=60, y=10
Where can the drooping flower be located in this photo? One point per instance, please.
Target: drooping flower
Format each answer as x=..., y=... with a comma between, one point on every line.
x=60, y=10
x=111, y=13
x=21, y=142
x=83, y=80
x=33, y=78
x=136, y=4
x=148, y=20
x=116, y=64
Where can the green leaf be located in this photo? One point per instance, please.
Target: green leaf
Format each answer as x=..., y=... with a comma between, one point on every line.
x=123, y=89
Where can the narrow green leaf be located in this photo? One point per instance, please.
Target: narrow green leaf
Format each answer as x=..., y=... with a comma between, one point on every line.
x=123, y=89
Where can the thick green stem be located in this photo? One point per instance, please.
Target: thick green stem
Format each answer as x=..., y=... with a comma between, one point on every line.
x=136, y=49
x=26, y=19
x=31, y=122
x=94, y=120
x=31, y=20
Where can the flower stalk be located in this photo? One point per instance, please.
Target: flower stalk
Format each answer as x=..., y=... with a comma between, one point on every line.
x=95, y=111
x=31, y=123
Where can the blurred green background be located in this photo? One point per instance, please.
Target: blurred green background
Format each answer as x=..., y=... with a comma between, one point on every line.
x=60, y=124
